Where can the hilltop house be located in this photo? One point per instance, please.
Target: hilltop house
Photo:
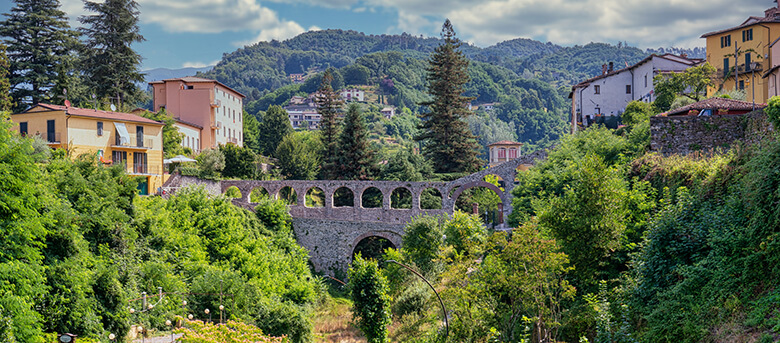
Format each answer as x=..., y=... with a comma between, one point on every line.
x=117, y=138
x=738, y=70
x=209, y=106
x=609, y=93
x=503, y=151
x=352, y=94
x=388, y=112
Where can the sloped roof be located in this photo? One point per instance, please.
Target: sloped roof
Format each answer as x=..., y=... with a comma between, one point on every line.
x=716, y=103
x=84, y=112
x=689, y=61
x=505, y=143
x=749, y=22
x=193, y=79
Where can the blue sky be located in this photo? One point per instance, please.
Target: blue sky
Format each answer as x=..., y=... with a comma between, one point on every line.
x=181, y=33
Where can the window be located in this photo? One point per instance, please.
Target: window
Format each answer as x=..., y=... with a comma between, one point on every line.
x=51, y=136
x=742, y=85
x=598, y=110
x=119, y=158
x=725, y=41
x=100, y=128
x=747, y=61
x=725, y=66
x=645, y=80
x=189, y=87
x=139, y=135
x=628, y=89
x=139, y=163
x=512, y=153
x=23, y=128
x=747, y=35
x=597, y=89
x=501, y=153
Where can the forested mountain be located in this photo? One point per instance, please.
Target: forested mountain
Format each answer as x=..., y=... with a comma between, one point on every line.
x=260, y=68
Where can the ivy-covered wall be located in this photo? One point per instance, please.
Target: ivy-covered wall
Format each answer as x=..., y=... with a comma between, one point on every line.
x=686, y=134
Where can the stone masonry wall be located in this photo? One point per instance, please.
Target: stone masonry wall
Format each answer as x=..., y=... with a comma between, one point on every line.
x=331, y=242
x=686, y=134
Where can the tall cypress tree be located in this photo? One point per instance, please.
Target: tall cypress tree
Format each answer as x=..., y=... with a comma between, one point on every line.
x=328, y=106
x=39, y=41
x=356, y=156
x=110, y=64
x=447, y=140
x=274, y=127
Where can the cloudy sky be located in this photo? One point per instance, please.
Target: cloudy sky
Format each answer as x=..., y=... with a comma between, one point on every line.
x=182, y=33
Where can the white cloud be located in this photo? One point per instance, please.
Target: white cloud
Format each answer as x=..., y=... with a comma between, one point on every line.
x=199, y=64
x=287, y=30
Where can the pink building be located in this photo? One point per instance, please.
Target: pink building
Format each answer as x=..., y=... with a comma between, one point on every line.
x=503, y=151
x=217, y=108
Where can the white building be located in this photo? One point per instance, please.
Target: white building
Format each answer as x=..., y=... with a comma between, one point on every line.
x=388, y=112
x=352, y=94
x=609, y=93
x=191, y=134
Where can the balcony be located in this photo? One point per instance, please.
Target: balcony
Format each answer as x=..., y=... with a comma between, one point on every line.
x=53, y=138
x=755, y=67
x=233, y=140
x=216, y=103
x=147, y=144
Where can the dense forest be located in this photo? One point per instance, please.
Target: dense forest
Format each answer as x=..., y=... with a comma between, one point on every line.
x=80, y=248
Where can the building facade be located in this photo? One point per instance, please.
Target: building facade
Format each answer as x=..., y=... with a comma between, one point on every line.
x=191, y=135
x=217, y=108
x=609, y=93
x=503, y=151
x=134, y=142
x=352, y=94
x=741, y=54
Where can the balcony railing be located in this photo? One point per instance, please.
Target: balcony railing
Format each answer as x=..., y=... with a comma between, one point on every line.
x=233, y=140
x=148, y=143
x=757, y=67
x=53, y=137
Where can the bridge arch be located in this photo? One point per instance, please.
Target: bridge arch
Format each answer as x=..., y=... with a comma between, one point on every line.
x=473, y=184
x=392, y=237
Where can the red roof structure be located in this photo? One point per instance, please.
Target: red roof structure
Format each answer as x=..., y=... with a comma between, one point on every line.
x=505, y=143
x=83, y=112
x=730, y=106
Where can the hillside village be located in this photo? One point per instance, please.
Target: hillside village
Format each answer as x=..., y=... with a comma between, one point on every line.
x=344, y=187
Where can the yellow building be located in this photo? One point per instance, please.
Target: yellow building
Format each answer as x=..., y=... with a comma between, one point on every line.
x=729, y=51
x=117, y=138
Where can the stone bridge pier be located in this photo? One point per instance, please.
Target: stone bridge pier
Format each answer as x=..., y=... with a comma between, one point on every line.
x=331, y=232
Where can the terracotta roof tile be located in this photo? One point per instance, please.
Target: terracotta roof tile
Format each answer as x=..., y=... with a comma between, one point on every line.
x=83, y=112
x=506, y=143
x=716, y=103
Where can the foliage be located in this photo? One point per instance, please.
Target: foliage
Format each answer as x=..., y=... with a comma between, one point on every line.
x=423, y=237
x=232, y=331
x=6, y=101
x=356, y=160
x=588, y=219
x=328, y=106
x=691, y=84
x=772, y=111
x=251, y=129
x=211, y=162
x=405, y=165
x=40, y=42
x=465, y=233
x=274, y=126
x=299, y=155
x=111, y=66
x=448, y=143
x=240, y=162
x=371, y=304
x=171, y=136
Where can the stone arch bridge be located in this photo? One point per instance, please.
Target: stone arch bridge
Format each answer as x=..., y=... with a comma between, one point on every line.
x=331, y=233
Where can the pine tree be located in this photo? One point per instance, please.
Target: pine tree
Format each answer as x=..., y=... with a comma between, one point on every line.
x=448, y=142
x=5, y=87
x=356, y=156
x=274, y=127
x=328, y=106
x=39, y=41
x=111, y=66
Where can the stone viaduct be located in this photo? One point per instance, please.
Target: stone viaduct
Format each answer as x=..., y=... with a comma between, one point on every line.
x=331, y=233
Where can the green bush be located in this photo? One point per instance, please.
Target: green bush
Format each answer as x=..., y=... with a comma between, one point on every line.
x=371, y=303
x=413, y=299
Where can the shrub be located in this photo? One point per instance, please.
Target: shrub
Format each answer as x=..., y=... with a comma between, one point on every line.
x=371, y=303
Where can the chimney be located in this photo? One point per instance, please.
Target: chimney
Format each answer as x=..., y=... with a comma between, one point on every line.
x=611, y=67
x=684, y=55
x=603, y=69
